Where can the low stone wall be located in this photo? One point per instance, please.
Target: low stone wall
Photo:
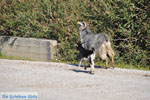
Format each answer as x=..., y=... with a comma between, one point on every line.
x=30, y=48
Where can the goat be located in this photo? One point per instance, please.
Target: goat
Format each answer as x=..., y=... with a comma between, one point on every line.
x=86, y=55
x=100, y=42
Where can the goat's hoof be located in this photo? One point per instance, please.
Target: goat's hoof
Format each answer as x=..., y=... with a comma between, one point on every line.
x=92, y=72
x=78, y=70
x=85, y=68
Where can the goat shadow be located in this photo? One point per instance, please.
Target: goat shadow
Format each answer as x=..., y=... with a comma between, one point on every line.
x=82, y=70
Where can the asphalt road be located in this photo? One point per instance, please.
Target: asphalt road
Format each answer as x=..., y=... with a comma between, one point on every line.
x=58, y=81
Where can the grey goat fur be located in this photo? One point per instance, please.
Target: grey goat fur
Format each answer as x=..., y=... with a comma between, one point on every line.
x=100, y=42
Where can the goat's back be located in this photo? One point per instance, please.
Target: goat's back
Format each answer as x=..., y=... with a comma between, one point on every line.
x=94, y=40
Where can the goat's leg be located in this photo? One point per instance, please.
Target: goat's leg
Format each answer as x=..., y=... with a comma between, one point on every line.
x=112, y=59
x=84, y=64
x=85, y=67
x=79, y=64
x=92, y=65
x=111, y=55
x=106, y=63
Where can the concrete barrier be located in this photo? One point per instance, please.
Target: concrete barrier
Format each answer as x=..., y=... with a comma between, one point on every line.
x=35, y=49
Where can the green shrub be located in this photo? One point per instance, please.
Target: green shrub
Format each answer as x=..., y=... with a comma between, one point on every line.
x=126, y=21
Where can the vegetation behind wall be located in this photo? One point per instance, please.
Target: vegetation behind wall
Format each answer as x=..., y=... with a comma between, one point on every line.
x=126, y=21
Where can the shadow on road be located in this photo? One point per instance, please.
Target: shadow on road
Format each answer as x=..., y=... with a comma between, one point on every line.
x=101, y=67
x=82, y=70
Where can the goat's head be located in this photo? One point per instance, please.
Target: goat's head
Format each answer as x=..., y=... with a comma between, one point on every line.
x=78, y=46
x=82, y=25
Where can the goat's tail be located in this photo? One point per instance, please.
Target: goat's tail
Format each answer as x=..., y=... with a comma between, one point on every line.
x=106, y=49
x=109, y=49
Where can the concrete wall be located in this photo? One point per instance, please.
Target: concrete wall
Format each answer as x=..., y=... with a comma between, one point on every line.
x=35, y=49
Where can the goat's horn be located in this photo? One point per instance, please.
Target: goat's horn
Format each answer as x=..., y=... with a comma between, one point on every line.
x=85, y=25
